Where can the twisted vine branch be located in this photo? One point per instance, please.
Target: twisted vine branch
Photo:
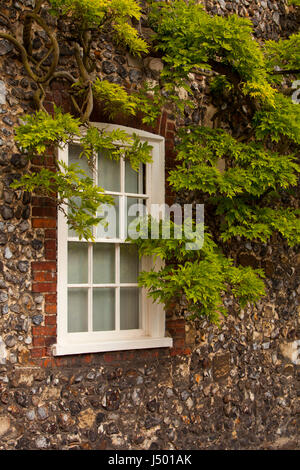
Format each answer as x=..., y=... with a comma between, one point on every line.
x=43, y=75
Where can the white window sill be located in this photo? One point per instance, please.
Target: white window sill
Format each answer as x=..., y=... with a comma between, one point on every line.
x=105, y=346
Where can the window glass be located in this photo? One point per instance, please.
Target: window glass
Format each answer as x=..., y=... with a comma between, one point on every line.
x=103, y=263
x=133, y=179
x=77, y=263
x=129, y=299
x=77, y=310
x=108, y=173
x=110, y=226
x=74, y=152
x=103, y=309
x=129, y=263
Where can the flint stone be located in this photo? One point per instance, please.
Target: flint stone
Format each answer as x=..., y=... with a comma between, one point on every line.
x=23, y=266
x=7, y=253
x=7, y=212
x=4, y=425
x=221, y=366
x=156, y=65
x=3, y=158
x=4, y=310
x=3, y=356
x=37, y=319
x=19, y=160
x=5, y=47
x=3, y=238
x=108, y=67
x=10, y=341
x=135, y=75
x=3, y=296
x=41, y=442
x=42, y=412
x=3, y=92
x=276, y=18
x=30, y=415
x=23, y=226
x=7, y=121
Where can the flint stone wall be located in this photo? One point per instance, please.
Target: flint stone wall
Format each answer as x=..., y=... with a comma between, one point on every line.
x=233, y=387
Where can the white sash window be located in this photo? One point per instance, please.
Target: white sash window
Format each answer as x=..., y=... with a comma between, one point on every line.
x=100, y=306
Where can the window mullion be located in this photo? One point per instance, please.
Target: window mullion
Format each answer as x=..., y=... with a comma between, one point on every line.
x=117, y=290
x=90, y=288
x=95, y=180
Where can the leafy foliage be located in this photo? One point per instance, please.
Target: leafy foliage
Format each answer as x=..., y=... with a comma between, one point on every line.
x=91, y=14
x=40, y=130
x=75, y=192
x=259, y=165
x=200, y=276
x=71, y=187
x=192, y=39
x=260, y=156
x=116, y=99
x=252, y=174
x=281, y=122
x=284, y=54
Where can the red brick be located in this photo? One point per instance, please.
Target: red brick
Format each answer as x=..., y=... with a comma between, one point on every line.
x=44, y=287
x=50, y=330
x=50, y=244
x=87, y=358
x=50, y=298
x=50, y=340
x=163, y=122
x=44, y=212
x=50, y=320
x=170, y=135
x=41, y=201
x=49, y=362
x=38, y=330
x=38, y=352
x=171, y=126
x=38, y=341
x=49, y=107
x=50, y=255
x=50, y=309
x=50, y=233
x=43, y=266
x=43, y=223
x=175, y=323
x=42, y=276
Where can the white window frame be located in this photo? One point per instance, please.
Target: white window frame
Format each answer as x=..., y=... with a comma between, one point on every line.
x=152, y=331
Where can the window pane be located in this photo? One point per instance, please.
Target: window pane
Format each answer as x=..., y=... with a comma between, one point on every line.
x=111, y=217
x=77, y=310
x=77, y=263
x=133, y=179
x=71, y=232
x=103, y=309
x=129, y=306
x=108, y=173
x=129, y=263
x=103, y=263
x=74, y=152
x=136, y=208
